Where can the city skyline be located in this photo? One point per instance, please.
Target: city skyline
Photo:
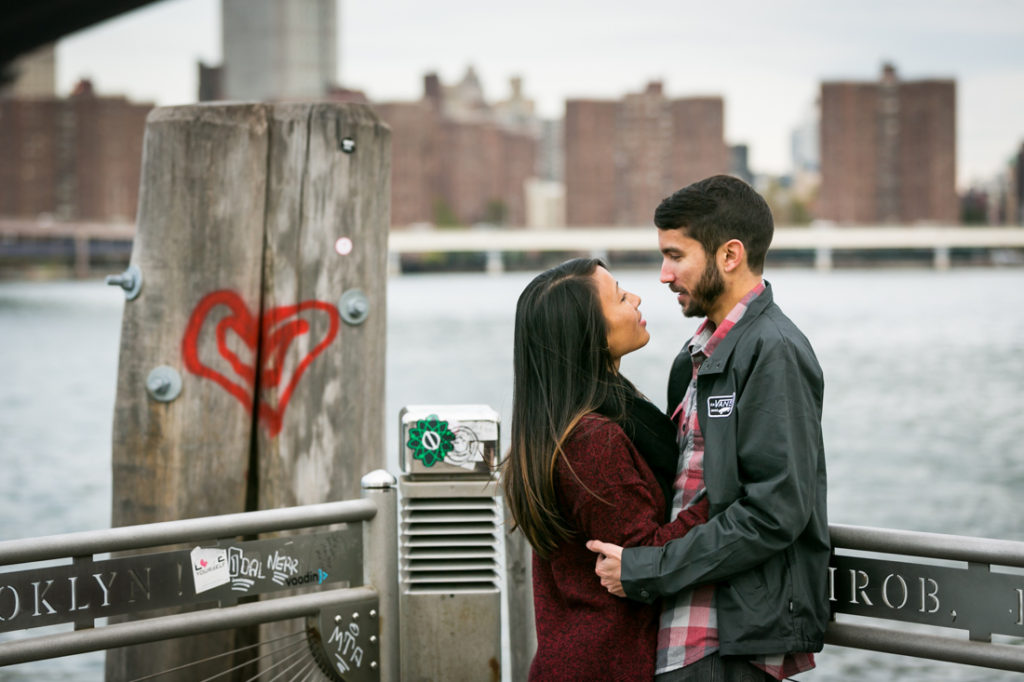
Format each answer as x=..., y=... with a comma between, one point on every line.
x=767, y=62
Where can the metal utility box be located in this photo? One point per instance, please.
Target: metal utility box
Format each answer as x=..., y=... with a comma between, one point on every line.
x=448, y=441
x=448, y=543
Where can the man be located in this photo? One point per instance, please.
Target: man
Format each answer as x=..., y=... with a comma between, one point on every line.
x=745, y=593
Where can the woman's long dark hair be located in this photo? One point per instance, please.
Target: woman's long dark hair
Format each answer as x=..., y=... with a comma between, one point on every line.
x=562, y=371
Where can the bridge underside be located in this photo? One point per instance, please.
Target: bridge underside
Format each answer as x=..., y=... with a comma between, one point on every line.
x=25, y=26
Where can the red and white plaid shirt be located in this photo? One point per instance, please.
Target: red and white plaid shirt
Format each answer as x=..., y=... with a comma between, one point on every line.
x=689, y=620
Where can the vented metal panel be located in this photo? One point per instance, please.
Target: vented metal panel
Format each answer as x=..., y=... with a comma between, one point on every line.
x=449, y=544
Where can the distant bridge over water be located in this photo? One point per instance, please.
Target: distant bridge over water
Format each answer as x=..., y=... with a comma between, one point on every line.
x=822, y=241
x=81, y=246
x=85, y=245
x=643, y=238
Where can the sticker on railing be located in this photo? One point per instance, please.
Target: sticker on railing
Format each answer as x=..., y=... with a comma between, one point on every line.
x=209, y=568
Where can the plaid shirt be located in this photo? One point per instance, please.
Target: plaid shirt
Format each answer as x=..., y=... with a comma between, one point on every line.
x=689, y=620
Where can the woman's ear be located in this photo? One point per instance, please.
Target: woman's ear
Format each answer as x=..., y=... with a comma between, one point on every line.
x=731, y=255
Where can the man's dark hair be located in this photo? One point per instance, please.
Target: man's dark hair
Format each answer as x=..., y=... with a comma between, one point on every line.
x=717, y=209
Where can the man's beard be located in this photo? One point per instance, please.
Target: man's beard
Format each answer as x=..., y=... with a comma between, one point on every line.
x=708, y=289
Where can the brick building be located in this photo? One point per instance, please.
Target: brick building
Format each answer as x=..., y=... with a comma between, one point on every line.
x=623, y=157
x=454, y=161
x=77, y=158
x=888, y=151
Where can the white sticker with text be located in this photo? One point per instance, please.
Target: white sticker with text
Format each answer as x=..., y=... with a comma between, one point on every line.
x=209, y=568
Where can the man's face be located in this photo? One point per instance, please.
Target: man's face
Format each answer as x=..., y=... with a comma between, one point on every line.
x=689, y=272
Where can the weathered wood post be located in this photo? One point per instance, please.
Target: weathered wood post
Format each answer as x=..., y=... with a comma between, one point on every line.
x=262, y=243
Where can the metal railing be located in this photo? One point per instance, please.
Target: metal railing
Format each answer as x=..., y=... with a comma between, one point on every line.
x=363, y=554
x=971, y=598
x=870, y=580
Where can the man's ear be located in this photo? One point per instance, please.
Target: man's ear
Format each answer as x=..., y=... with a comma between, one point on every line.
x=731, y=255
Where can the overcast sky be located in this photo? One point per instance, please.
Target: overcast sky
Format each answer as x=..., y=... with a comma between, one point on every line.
x=766, y=59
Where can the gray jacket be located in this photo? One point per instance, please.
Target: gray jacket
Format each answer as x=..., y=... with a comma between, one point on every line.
x=766, y=544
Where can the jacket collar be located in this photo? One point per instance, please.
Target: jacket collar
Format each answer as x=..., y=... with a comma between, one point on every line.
x=720, y=356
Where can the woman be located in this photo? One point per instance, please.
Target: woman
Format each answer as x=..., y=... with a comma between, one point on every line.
x=590, y=458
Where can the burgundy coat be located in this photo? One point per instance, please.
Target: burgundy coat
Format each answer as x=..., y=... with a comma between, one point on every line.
x=583, y=632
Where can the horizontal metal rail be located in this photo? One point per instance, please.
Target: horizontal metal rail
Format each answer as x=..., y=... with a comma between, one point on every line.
x=931, y=545
x=184, y=530
x=921, y=645
x=365, y=651
x=178, y=625
x=978, y=553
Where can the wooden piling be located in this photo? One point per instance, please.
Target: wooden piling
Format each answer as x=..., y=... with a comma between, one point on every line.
x=319, y=194
x=254, y=221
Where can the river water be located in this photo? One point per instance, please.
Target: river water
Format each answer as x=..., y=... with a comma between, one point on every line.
x=924, y=407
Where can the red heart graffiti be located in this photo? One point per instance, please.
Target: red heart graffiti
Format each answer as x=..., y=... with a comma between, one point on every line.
x=280, y=326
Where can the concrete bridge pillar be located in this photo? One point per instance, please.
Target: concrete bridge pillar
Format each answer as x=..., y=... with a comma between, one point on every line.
x=823, y=258
x=495, y=263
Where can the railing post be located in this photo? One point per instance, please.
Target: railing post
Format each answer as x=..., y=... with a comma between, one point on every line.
x=521, y=618
x=380, y=549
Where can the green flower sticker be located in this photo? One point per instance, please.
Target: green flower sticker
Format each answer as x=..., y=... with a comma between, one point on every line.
x=430, y=440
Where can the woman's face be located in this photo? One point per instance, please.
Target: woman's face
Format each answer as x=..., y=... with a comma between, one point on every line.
x=627, y=329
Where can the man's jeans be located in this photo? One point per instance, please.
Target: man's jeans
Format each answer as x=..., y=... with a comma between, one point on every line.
x=714, y=668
